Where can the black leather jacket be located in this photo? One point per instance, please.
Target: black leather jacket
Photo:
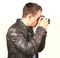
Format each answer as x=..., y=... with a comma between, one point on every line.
x=20, y=44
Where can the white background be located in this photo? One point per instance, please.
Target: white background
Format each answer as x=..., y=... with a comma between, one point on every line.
x=10, y=10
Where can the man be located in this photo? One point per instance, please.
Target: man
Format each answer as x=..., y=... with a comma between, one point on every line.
x=21, y=40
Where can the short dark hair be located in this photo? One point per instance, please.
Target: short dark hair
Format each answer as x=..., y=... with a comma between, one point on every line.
x=32, y=8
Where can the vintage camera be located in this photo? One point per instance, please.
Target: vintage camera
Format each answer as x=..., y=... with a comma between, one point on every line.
x=42, y=17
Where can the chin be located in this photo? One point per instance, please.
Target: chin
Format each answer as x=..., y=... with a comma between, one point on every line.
x=34, y=26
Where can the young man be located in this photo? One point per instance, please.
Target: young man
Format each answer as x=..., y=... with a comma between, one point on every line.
x=21, y=40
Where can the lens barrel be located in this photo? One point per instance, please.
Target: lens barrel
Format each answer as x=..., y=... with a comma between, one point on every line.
x=42, y=17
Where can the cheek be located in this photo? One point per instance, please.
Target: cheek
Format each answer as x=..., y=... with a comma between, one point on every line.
x=36, y=22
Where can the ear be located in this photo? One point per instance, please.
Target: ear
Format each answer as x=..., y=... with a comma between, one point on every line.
x=29, y=16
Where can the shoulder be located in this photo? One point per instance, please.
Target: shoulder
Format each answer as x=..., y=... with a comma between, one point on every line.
x=18, y=27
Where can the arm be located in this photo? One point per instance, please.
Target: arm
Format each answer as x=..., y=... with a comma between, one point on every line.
x=42, y=45
x=23, y=45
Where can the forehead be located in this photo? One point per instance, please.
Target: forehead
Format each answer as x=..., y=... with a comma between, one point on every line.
x=38, y=13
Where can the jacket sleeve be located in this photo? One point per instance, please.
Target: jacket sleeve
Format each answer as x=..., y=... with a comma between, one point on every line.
x=27, y=47
x=42, y=44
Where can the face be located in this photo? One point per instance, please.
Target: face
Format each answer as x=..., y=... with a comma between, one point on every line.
x=34, y=19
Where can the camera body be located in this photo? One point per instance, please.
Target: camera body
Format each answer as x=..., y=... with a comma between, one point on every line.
x=42, y=17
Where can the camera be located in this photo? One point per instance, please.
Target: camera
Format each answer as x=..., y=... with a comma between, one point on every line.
x=42, y=17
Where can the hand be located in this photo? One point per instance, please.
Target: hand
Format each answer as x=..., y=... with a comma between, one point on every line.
x=43, y=22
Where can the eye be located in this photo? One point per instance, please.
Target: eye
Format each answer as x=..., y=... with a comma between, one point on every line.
x=38, y=18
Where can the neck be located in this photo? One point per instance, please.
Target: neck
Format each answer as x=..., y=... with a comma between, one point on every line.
x=25, y=21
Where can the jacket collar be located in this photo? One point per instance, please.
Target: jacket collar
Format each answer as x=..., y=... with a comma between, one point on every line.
x=22, y=25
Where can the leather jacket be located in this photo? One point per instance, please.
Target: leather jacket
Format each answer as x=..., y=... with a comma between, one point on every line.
x=20, y=44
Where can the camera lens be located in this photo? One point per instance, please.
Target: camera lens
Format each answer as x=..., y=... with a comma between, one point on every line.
x=42, y=17
x=48, y=21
